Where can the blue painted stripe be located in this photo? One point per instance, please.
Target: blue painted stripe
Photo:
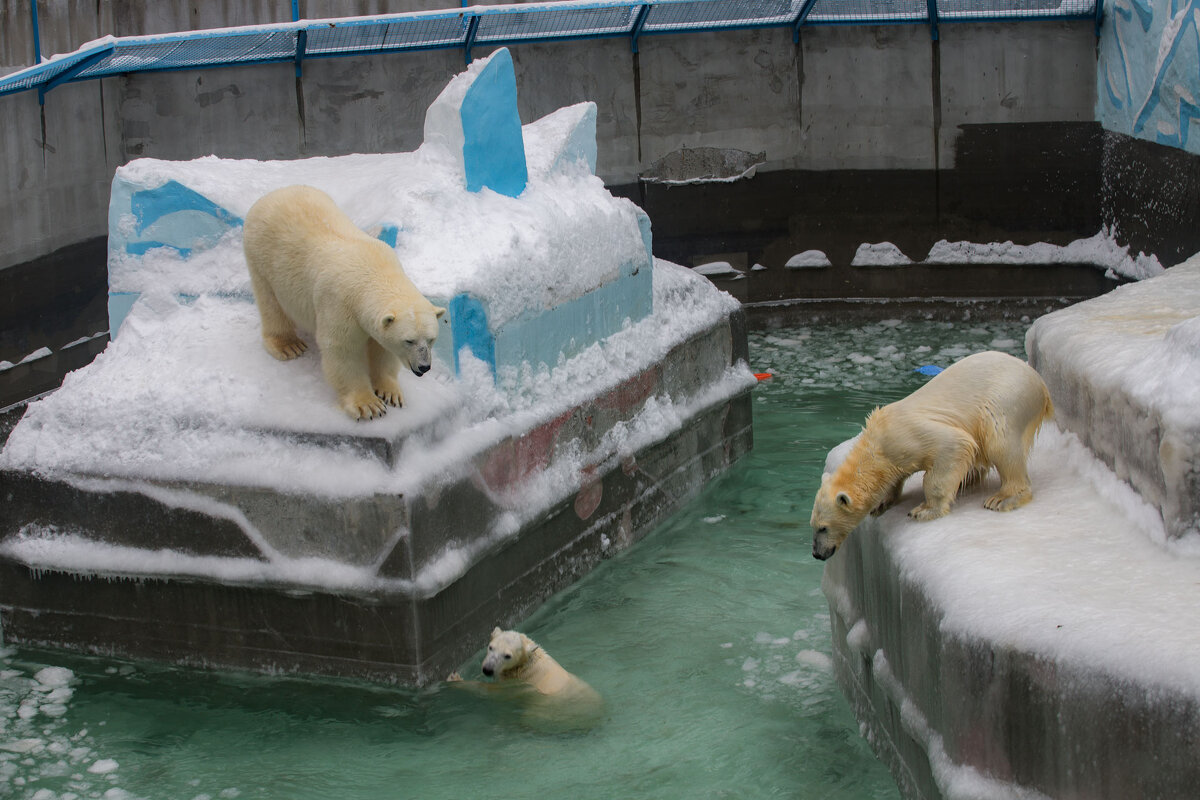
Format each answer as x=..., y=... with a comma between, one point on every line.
x=469, y=329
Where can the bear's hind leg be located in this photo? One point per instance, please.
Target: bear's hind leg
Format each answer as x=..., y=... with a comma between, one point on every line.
x=948, y=468
x=383, y=367
x=278, y=331
x=1015, y=489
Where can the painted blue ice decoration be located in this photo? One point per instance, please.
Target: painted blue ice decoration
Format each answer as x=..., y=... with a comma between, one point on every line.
x=469, y=329
x=172, y=215
x=928, y=369
x=493, y=147
x=389, y=234
x=475, y=119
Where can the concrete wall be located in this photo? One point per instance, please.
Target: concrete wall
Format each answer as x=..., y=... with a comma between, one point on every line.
x=845, y=98
x=864, y=134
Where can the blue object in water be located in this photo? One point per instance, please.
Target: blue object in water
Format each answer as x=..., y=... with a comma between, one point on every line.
x=929, y=369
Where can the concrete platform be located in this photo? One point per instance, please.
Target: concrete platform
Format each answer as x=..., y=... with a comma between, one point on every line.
x=396, y=588
x=1050, y=651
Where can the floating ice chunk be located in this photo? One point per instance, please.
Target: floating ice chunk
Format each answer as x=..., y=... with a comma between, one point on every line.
x=808, y=259
x=54, y=676
x=102, y=766
x=815, y=659
x=881, y=254
x=22, y=745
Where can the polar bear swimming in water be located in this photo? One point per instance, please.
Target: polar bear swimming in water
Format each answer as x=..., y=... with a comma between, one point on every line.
x=551, y=697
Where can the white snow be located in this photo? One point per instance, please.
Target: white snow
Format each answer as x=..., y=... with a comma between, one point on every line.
x=1100, y=250
x=1125, y=370
x=881, y=254
x=808, y=259
x=717, y=269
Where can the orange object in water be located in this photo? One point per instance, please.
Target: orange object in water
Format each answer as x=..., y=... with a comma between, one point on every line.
x=762, y=376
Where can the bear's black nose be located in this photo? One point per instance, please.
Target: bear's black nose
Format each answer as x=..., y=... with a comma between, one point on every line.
x=820, y=556
x=421, y=369
x=487, y=671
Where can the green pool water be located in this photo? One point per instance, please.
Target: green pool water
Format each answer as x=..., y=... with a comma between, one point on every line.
x=709, y=641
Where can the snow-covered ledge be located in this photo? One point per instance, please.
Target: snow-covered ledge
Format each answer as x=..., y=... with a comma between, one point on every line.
x=1051, y=651
x=1124, y=372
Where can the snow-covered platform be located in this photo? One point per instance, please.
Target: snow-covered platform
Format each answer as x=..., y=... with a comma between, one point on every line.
x=186, y=497
x=1051, y=651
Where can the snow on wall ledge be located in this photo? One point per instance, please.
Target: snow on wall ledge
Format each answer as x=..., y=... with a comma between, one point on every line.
x=1124, y=372
x=1050, y=651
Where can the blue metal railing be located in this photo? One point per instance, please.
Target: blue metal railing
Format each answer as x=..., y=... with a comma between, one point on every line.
x=489, y=26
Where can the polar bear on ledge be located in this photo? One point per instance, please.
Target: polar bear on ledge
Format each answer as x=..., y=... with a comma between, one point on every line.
x=979, y=413
x=312, y=268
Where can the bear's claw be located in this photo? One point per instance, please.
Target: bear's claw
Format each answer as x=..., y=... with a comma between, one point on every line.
x=389, y=396
x=924, y=512
x=285, y=348
x=364, y=407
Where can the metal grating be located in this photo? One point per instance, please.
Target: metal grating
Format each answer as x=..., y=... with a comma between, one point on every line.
x=466, y=28
x=869, y=11
x=717, y=14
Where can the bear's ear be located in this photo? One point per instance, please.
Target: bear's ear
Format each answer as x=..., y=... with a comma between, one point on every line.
x=496, y=632
x=843, y=499
x=438, y=311
x=387, y=321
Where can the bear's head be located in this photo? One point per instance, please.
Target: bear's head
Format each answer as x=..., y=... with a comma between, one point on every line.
x=835, y=513
x=507, y=652
x=409, y=334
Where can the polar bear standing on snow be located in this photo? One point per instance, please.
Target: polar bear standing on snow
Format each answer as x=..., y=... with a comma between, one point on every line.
x=979, y=413
x=311, y=268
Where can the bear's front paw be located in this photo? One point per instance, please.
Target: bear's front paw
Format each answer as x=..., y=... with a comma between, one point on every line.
x=388, y=391
x=453, y=677
x=283, y=347
x=362, y=405
x=925, y=512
